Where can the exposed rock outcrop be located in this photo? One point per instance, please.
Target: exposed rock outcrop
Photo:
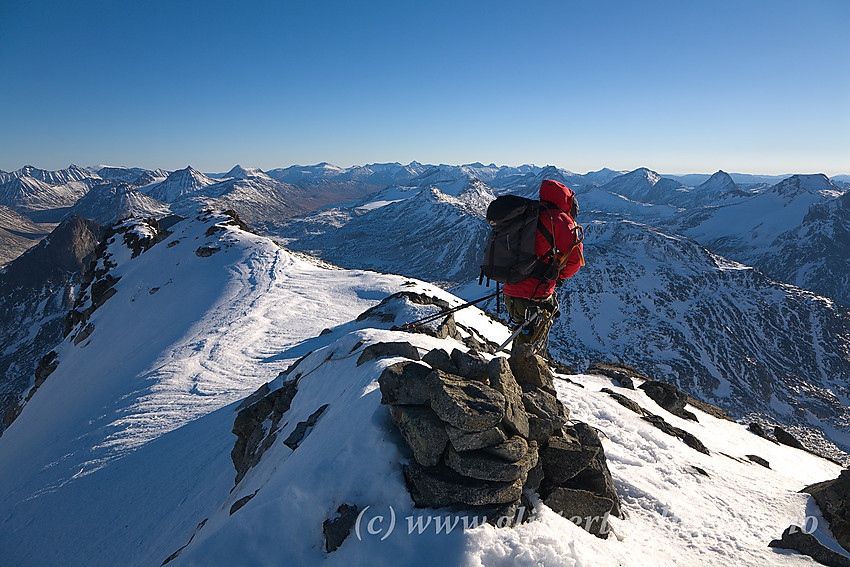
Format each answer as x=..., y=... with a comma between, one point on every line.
x=480, y=437
x=794, y=537
x=833, y=499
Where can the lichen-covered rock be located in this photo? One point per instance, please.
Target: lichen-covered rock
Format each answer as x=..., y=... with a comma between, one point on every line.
x=470, y=366
x=438, y=359
x=466, y=405
x=502, y=380
x=596, y=478
x=511, y=450
x=434, y=487
x=545, y=406
x=583, y=508
x=529, y=368
x=485, y=466
x=564, y=457
x=382, y=350
x=471, y=440
x=406, y=383
x=423, y=431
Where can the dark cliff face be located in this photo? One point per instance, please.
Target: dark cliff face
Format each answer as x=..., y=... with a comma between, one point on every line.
x=36, y=291
x=63, y=253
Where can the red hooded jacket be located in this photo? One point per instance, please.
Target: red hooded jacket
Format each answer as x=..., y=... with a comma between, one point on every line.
x=562, y=227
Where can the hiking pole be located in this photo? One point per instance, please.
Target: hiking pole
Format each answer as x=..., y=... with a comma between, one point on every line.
x=518, y=330
x=436, y=316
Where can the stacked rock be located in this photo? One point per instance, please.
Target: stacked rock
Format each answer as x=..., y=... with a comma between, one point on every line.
x=482, y=432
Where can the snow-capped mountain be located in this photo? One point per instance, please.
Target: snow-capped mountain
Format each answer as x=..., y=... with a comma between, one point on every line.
x=124, y=455
x=718, y=329
x=29, y=195
x=116, y=200
x=239, y=172
x=36, y=291
x=765, y=229
x=718, y=189
x=815, y=254
x=602, y=176
x=262, y=202
x=378, y=174
x=66, y=176
x=646, y=186
x=431, y=235
x=179, y=184
x=18, y=233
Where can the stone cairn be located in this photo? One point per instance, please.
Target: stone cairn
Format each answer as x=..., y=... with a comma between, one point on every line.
x=481, y=433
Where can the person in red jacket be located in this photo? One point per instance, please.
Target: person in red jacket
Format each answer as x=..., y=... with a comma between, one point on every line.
x=558, y=209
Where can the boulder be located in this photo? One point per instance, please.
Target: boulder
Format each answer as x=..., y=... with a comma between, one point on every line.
x=438, y=359
x=511, y=450
x=794, y=537
x=382, y=350
x=406, y=383
x=434, y=487
x=786, y=438
x=688, y=438
x=583, y=508
x=540, y=429
x=482, y=465
x=529, y=368
x=545, y=406
x=625, y=401
x=466, y=405
x=596, y=478
x=338, y=529
x=471, y=440
x=622, y=373
x=470, y=366
x=759, y=461
x=668, y=397
x=833, y=499
x=564, y=457
x=423, y=431
x=502, y=380
x=303, y=428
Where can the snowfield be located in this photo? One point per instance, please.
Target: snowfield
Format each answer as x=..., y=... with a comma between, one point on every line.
x=122, y=457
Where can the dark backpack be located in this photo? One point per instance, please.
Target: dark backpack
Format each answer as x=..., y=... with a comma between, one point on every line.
x=510, y=256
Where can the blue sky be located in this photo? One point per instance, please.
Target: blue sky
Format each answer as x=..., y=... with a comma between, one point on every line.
x=680, y=86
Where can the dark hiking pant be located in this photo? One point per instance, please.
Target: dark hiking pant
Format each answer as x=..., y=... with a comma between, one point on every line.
x=520, y=307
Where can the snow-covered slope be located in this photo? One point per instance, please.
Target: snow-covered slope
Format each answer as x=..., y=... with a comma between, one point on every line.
x=123, y=455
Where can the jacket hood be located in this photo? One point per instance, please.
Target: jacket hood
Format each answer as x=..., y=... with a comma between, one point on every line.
x=557, y=193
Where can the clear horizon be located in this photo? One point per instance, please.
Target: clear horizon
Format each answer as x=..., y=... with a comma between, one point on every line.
x=760, y=86
x=227, y=169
